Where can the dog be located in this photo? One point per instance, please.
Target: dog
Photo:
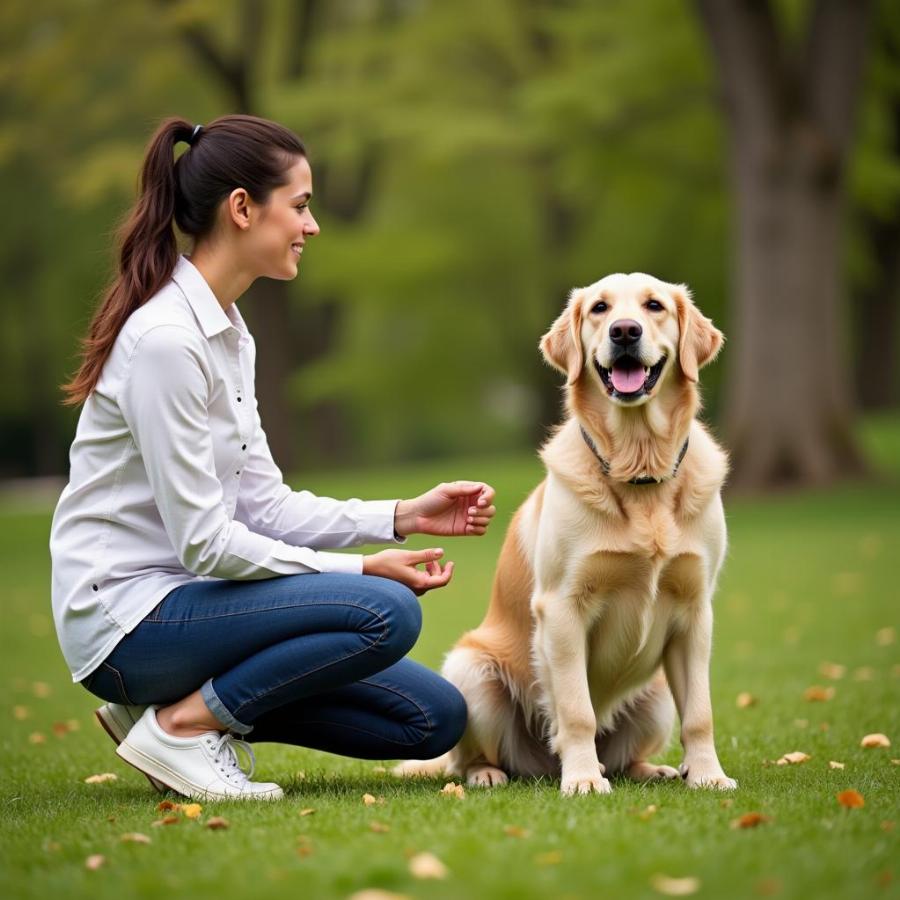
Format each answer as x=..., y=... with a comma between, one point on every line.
x=600, y=620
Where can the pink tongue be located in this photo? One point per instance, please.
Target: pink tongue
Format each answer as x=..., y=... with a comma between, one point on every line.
x=627, y=381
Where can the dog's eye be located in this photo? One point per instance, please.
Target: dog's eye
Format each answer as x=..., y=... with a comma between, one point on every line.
x=654, y=306
x=600, y=307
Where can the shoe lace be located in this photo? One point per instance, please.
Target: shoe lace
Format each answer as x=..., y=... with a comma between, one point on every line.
x=227, y=759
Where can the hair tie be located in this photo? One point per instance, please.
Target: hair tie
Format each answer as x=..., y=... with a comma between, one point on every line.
x=194, y=133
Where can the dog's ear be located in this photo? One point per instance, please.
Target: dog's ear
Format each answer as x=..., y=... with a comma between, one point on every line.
x=561, y=345
x=699, y=340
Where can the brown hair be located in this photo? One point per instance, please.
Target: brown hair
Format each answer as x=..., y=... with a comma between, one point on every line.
x=230, y=152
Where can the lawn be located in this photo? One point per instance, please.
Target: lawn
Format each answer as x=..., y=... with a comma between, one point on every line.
x=810, y=579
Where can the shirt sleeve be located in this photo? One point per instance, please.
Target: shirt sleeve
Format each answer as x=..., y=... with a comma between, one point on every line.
x=268, y=506
x=164, y=403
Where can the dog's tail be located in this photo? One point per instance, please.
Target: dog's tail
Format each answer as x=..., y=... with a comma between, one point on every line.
x=423, y=768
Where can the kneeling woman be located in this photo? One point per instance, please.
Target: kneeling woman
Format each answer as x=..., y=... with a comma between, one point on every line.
x=190, y=587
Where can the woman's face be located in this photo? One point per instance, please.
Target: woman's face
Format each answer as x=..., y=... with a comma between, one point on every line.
x=281, y=226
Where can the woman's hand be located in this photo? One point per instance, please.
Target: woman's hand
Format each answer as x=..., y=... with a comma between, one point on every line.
x=451, y=510
x=400, y=565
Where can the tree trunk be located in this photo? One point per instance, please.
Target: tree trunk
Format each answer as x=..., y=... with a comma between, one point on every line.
x=789, y=410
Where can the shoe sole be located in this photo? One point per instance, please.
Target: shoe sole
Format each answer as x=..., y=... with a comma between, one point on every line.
x=111, y=726
x=152, y=768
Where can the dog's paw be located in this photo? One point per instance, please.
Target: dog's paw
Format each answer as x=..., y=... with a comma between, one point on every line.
x=486, y=776
x=694, y=777
x=585, y=784
x=644, y=771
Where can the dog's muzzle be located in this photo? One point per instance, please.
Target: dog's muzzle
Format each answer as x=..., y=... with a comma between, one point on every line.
x=628, y=378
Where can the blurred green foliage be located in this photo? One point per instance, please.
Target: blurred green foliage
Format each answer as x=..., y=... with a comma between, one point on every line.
x=514, y=149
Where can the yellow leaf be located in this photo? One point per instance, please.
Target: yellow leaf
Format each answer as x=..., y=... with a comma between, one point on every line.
x=165, y=820
x=21, y=712
x=818, y=694
x=309, y=811
x=793, y=758
x=94, y=861
x=875, y=740
x=745, y=700
x=515, y=831
x=864, y=673
x=217, y=823
x=377, y=894
x=134, y=837
x=427, y=865
x=452, y=789
x=884, y=637
x=41, y=689
x=675, y=887
x=369, y=800
x=851, y=799
x=192, y=810
x=36, y=738
x=379, y=827
x=102, y=778
x=834, y=671
x=832, y=764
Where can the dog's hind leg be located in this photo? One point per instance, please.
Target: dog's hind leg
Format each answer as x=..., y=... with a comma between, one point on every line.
x=642, y=728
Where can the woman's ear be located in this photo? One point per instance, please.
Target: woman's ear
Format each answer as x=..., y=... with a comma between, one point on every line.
x=561, y=345
x=698, y=339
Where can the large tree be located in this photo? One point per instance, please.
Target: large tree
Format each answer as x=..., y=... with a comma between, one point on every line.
x=790, y=103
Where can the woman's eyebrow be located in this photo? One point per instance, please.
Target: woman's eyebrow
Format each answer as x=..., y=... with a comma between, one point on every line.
x=306, y=195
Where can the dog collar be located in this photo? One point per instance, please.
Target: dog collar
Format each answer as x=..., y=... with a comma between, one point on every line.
x=645, y=479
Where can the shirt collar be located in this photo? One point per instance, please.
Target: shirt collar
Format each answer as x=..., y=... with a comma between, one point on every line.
x=212, y=318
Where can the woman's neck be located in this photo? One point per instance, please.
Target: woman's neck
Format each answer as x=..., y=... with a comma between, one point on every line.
x=226, y=278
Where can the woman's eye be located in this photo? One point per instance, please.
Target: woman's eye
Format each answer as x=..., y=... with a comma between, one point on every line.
x=654, y=306
x=303, y=206
x=600, y=307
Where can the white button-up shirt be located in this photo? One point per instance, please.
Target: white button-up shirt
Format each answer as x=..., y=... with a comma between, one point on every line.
x=171, y=478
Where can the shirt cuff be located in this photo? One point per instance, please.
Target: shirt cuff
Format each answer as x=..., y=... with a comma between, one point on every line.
x=376, y=522
x=343, y=563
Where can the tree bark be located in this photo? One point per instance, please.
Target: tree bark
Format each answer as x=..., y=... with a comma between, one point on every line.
x=789, y=409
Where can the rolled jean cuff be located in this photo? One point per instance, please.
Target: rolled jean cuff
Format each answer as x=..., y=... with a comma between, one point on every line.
x=218, y=709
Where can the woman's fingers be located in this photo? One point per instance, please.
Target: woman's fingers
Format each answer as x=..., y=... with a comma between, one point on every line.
x=415, y=557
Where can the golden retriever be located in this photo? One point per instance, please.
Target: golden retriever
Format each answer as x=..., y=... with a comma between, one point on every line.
x=601, y=610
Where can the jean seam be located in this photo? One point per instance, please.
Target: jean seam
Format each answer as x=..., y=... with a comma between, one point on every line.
x=373, y=734
x=406, y=697
x=255, y=610
x=333, y=662
x=120, y=682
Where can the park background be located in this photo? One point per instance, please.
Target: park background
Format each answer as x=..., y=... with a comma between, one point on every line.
x=474, y=161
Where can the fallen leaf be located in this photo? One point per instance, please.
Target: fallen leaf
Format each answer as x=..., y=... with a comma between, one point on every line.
x=884, y=637
x=794, y=758
x=41, y=689
x=379, y=827
x=895, y=762
x=165, y=820
x=851, y=799
x=550, y=858
x=167, y=805
x=102, y=778
x=94, y=861
x=192, y=810
x=834, y=671
x=647, y=812
x=369, y=800
x=309, y=811
x=750, y=820
x=875, y=740
x=818, y=694
x=380, y=770
x=452, y=789
x=377, y=894
x=675, y=887
x=864, y=673
x=60, y=729
x=134, y=837
x=304, y=850
x=36, y=738
x=427, y=865
x=21, y=712
x=745, y=700
x=215, y=823
x=516, y=831
x=832, y=764
x=73, y=724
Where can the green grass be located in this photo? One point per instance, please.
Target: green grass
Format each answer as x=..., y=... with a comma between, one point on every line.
x=810, y=578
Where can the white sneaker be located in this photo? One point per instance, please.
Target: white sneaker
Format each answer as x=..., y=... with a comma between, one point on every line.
x=202, y=767
x=117, y=720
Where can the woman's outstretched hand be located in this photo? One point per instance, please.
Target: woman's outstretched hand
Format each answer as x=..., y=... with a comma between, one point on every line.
x=454, y=509
x=401, y=565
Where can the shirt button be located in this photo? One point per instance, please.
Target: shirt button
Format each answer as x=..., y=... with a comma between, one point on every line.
x=239, y=399
x=94, y=587
x=243, y=446
x=238, y=472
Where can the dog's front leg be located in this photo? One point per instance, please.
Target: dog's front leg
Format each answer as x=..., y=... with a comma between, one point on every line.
x=686, y=661
x=561, y=651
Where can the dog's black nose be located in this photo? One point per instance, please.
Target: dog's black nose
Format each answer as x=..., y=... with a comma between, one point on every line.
x=625, y=332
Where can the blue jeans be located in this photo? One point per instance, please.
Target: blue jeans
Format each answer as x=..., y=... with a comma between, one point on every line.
x=312, y=660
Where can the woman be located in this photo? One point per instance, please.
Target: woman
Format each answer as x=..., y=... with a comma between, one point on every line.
x=190, y=589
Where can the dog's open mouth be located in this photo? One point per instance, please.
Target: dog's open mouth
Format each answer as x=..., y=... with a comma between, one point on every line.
x=629, y=378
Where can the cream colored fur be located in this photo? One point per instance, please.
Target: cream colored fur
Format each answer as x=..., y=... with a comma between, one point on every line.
x=601, y=610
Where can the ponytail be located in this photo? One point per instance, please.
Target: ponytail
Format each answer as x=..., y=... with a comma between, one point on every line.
x=232, y=151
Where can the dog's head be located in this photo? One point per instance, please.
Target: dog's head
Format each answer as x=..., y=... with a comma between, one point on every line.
x=631, y=333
